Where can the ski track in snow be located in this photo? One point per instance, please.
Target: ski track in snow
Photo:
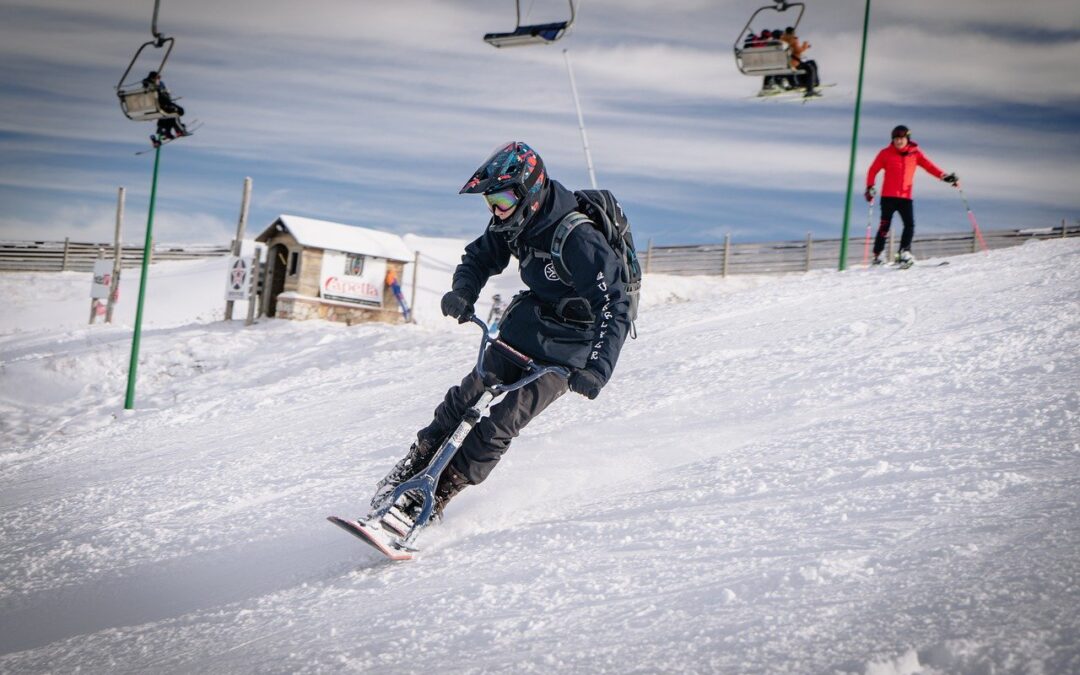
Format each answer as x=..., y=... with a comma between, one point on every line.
x=868, y=472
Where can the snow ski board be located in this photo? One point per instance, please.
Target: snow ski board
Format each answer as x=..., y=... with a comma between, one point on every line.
x=195, y=124
x=376, y=537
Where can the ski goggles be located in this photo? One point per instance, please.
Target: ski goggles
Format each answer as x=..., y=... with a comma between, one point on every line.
x=504, y=200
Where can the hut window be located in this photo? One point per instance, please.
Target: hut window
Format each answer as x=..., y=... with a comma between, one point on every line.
x=294, y=262
x=354, y=265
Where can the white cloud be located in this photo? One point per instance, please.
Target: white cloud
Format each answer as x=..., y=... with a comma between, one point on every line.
x=397, y=102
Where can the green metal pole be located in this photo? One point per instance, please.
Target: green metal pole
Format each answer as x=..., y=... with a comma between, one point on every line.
x=129, y=401
x=854, y=144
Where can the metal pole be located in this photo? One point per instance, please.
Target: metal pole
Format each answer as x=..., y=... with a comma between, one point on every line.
x=153, y=25
x=129, y=400
x=240, y=226
x=94, y=301
x=253, y=278
x=974, y=223
x=114, y=288
x=412, y=293
x=581, y=121
x=809, y=249
x=854, y=143
x=727, y=250
x=866, y=243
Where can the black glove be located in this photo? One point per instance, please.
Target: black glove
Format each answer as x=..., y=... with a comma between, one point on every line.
x=870, y=193
x=454, y=304
x=951, y=179
x=585, y=382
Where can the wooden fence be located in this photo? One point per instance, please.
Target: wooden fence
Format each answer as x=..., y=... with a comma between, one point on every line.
x=779, y=257
x=67, y=255
x=782, y=257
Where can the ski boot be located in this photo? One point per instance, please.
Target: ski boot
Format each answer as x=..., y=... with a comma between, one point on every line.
x=402, y=516
x=877, y=260
x=411, y=464
x=904, y=259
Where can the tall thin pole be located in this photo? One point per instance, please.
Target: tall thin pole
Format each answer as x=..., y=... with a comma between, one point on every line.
x=854, y=143
x=581, y=121
x=129, y=400
x=237, y=243
x=118, y=253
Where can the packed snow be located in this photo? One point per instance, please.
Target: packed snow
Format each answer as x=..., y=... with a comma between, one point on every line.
x=875, y=471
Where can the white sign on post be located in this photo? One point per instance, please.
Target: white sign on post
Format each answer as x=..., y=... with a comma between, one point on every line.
x=103, y=270
x=351, y=277
x=238, y=285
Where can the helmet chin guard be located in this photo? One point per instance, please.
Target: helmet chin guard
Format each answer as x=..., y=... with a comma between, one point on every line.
x=513, y=166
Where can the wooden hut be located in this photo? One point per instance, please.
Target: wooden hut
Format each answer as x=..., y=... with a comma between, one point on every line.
x=317, y=269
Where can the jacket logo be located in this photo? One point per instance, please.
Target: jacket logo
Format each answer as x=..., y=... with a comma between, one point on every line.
x=549, y=272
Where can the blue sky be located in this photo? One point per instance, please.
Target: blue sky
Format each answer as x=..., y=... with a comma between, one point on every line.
x=375, y=113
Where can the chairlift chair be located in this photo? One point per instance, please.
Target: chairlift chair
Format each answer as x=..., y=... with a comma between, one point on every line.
x=543, y=33
x=772, y=58
x=140, y=102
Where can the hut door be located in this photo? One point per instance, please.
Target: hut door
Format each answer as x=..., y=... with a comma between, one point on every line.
x=279, y=259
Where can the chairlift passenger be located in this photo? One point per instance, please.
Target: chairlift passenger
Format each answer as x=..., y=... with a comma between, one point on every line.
x=808, y=75
x=169, y=126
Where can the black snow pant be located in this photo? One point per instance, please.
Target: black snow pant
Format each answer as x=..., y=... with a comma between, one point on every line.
x=809, y=77
x=490, y=438
x=906, y=209
x=170, y=126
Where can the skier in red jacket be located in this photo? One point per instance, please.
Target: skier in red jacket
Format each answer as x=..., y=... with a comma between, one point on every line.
x=899, y=160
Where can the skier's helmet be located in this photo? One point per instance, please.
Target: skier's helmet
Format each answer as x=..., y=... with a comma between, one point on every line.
x=513, y=174
x=901, y=132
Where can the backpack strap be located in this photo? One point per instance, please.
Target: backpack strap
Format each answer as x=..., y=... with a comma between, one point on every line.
x=562, y=233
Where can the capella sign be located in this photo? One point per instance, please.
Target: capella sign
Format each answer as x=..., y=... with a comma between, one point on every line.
x=351, y=289
x=352, y=278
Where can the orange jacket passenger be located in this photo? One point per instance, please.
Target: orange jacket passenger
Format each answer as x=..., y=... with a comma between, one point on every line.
x=899, y=166
x=796, y=49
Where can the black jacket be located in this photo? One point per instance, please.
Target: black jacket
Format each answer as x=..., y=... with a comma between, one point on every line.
x=541, y=322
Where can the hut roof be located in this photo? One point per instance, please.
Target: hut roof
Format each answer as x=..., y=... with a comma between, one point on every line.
x=324, y=234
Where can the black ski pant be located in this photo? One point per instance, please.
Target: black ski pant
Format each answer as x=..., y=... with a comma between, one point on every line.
x=490, y=438
x=809, y=77
x=170, y=125
x=906, y=209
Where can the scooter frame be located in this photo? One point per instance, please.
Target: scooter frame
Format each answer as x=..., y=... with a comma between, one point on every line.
x=424, y=482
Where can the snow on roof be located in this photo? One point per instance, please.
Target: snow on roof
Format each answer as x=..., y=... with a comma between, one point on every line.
x=340, y=237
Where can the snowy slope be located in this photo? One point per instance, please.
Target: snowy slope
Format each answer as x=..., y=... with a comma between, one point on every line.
x=868, y=472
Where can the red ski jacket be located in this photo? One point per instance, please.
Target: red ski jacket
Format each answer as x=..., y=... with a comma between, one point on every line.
x=899, y=168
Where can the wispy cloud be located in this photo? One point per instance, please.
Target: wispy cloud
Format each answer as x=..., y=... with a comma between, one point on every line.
x=373, y=113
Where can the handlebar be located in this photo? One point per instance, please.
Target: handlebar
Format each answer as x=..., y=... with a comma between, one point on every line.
x=535, y=370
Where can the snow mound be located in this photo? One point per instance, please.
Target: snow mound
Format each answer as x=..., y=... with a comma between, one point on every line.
x=864, y=472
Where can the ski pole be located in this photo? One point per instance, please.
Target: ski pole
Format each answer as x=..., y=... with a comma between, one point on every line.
x=866, y=246
x=974, y=223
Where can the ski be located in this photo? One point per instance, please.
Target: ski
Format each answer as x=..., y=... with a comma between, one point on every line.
x=376, y=537
x=195, y=124
x=899, y=266
x=793, y=94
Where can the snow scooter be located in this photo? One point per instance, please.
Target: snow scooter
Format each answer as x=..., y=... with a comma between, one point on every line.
x=387, y=527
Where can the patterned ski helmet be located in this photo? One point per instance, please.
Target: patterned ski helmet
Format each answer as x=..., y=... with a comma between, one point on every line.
x=513, y=166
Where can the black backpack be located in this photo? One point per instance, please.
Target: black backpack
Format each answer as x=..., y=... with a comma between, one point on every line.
x=600, y=209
